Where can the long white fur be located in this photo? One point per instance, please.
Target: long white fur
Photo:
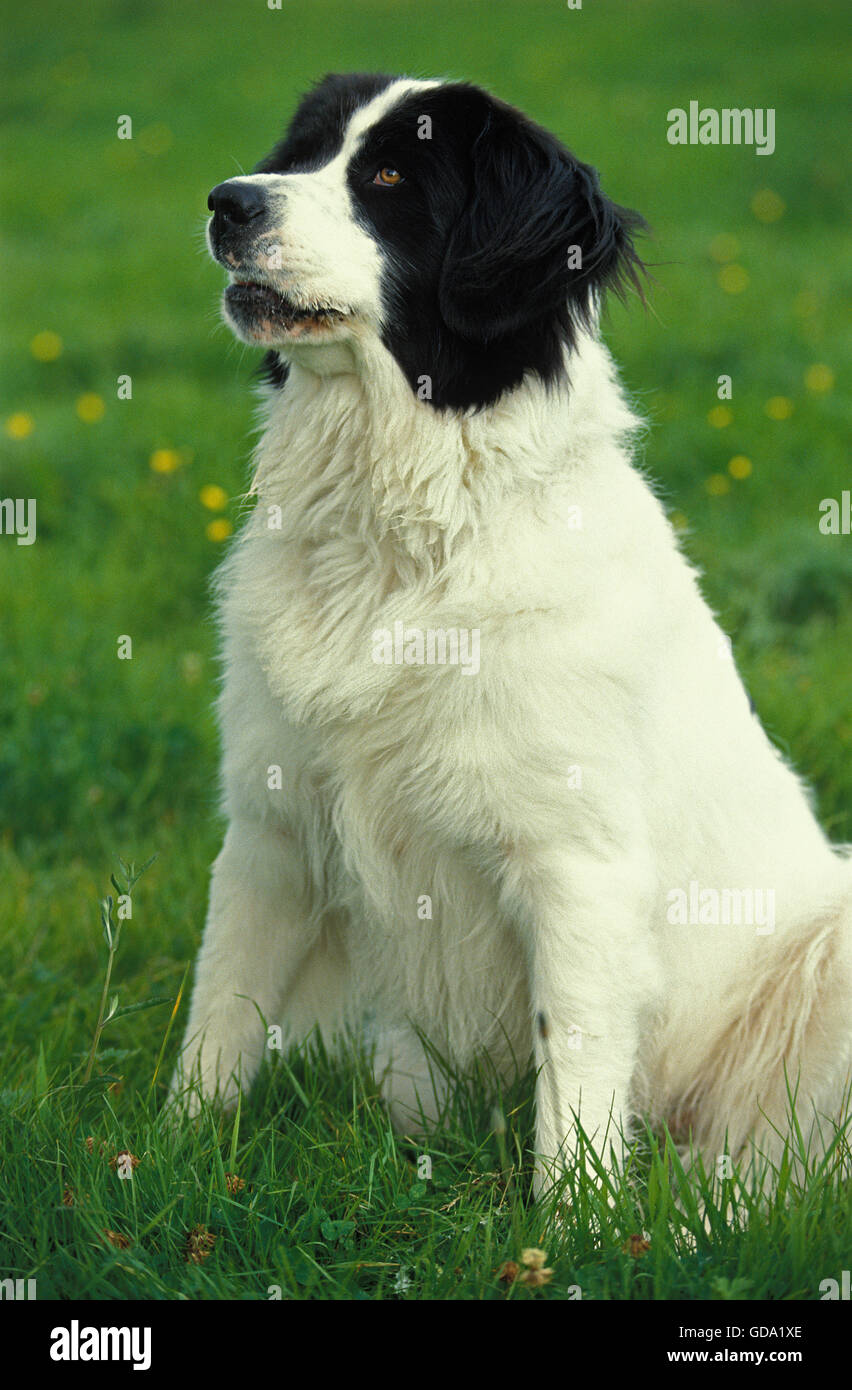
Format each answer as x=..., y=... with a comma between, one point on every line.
x=529, y=521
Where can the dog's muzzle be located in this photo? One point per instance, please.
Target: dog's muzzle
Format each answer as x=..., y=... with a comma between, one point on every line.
x=261, y=303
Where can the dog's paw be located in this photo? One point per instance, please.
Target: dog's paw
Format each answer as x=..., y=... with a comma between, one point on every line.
x=196, y=1084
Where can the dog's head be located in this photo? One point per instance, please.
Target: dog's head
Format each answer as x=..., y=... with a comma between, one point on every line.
x=468, y=240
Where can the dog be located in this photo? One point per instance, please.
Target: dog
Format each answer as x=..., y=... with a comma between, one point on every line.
x=491, y=778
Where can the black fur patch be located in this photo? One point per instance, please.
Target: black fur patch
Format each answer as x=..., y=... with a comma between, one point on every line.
x=272, y=370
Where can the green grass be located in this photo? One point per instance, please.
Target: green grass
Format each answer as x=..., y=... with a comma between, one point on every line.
x=306, y=1192
x=101, y=757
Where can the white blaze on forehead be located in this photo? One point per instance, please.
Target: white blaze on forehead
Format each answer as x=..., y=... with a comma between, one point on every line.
x=368, y=116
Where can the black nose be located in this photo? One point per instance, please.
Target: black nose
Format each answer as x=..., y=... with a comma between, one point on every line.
x=235, y=203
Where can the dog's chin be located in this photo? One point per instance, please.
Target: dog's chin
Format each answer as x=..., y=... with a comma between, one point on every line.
x=260, y=315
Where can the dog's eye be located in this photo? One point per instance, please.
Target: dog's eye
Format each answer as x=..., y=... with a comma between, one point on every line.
x=388, y=177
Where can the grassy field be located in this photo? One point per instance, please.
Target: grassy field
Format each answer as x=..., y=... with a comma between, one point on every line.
x=101, y=757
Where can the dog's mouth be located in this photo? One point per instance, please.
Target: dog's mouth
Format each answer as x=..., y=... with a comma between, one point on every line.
x=266, y=315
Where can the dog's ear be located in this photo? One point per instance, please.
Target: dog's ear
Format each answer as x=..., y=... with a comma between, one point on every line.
x=537, y=238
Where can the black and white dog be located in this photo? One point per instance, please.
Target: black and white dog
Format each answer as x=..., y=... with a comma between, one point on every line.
x=490, y=773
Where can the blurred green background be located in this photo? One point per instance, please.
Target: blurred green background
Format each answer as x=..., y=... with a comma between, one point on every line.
x=106, y=276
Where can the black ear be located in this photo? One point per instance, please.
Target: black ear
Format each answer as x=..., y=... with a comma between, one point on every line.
x=536, y=240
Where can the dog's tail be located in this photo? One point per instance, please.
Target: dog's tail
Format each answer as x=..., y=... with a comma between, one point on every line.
x=789, y=1049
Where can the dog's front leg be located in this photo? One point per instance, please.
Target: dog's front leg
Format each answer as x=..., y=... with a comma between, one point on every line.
x=593, y=980
x=256, y=938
